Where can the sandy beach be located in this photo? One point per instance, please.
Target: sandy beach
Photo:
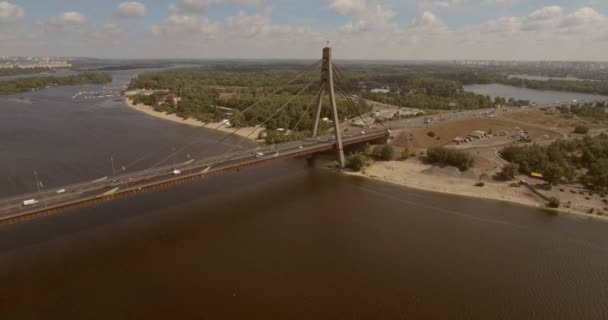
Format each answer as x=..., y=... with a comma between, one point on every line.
x=247, y=132
x=414, y=174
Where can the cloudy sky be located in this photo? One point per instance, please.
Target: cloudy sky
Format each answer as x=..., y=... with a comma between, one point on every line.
x=357, y=29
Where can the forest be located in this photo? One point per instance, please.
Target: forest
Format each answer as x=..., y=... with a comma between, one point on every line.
x=204, y=90
x=18, y=71
x=35, y=83
x=564, y=160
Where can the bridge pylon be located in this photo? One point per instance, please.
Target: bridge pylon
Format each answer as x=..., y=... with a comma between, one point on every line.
x=327, y=86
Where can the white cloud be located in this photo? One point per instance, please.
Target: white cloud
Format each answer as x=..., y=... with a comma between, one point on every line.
x=200, y=6
x=585, y=16
x=446, y=4
x=546, y=13
x=343, y=7
x=186, y=23
x=131, y=9
x=260, y=24
x=68, y=18
x=370, y=19
x=10, y=12
x=372, y=31
x=442, y=4
x=427, y=20
x=496, y=2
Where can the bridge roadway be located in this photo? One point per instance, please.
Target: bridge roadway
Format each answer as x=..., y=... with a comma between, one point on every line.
x=13, y=210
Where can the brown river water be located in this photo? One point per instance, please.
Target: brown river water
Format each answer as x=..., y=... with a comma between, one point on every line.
x=279, y=242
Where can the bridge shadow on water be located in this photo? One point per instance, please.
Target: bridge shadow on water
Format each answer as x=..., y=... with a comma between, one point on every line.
x=257, y=190
x=289, y=242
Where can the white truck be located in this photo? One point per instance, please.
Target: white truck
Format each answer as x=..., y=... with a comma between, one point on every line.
x=29, y=202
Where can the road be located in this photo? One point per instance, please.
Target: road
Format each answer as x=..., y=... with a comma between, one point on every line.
x=14, y=207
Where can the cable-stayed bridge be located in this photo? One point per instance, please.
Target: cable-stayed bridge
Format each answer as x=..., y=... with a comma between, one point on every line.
x=161, y=175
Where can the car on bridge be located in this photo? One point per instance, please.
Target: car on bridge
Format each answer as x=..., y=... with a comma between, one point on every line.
x=30, y=202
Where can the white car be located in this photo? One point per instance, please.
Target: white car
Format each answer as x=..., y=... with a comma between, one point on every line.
x=61, y=191
x=30, y=202
x=362, y=132
x=176, y=172
x=301, y=147
x=259, y=155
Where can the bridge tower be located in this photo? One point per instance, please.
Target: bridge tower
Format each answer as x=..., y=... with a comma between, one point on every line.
x=327, y=86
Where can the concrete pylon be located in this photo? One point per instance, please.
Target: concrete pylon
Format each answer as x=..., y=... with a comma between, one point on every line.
x=327, y=86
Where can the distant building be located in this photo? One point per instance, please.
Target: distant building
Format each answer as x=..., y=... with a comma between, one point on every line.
x=168, y=99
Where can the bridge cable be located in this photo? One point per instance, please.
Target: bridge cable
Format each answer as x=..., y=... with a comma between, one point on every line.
x=340, y=75
x=347, y=96
x=242, y=111
x=148, y=155
x=315, y=98
x=282, y=87
x=352, y=104
x=274, y=114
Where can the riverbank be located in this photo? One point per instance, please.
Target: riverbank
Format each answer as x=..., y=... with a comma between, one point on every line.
x=417, y=175
x=250, y=133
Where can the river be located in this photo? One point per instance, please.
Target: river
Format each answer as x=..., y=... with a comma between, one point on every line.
x=279, y=242
x=538, y=96
x=544, y=78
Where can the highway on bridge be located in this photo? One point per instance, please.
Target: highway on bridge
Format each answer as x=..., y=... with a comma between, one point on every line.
x=18, y=208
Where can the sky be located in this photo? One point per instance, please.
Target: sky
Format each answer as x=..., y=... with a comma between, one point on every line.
x=293, y=29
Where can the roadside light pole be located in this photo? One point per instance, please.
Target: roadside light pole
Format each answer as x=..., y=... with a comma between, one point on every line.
x=113, y=170
x=37, y=182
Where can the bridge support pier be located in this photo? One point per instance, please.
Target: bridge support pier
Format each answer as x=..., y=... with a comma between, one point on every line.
x=311, y=161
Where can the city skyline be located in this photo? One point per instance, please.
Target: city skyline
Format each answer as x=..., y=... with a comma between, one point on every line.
x=267, y=29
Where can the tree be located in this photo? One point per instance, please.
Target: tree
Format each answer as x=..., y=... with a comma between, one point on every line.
x=405, y=154
x=451, y=157
x=554, y=202
x=383, y=152
x=581, y=130
x=553, y=173
x=431, y=134
x=509, y=171
x=356, y=161
x=598, y=173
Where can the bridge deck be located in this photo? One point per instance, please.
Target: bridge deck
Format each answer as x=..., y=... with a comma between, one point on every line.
x=12, y=210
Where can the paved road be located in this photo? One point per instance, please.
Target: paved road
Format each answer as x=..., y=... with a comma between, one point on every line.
x=106, y=186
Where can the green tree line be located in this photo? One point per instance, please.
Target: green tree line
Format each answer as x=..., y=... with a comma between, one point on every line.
x=564, y=160
x=35, y=83
x=203, y=91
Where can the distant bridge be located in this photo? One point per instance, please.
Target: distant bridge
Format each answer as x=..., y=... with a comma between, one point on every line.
x=24, y=207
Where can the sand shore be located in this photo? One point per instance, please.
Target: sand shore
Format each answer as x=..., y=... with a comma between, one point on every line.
x=247, y=132
x=414, y=174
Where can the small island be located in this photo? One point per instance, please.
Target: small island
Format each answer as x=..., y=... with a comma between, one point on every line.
x=37, y=83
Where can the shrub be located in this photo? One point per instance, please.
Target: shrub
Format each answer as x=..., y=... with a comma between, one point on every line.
x=509, y=171
x=553, y=203
x=356, y=161
x=598, y=173
x=451, y=157
x=581, y=130
x=431, y=134
x=405, y=154
x=553, y=173
x=383, y=152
